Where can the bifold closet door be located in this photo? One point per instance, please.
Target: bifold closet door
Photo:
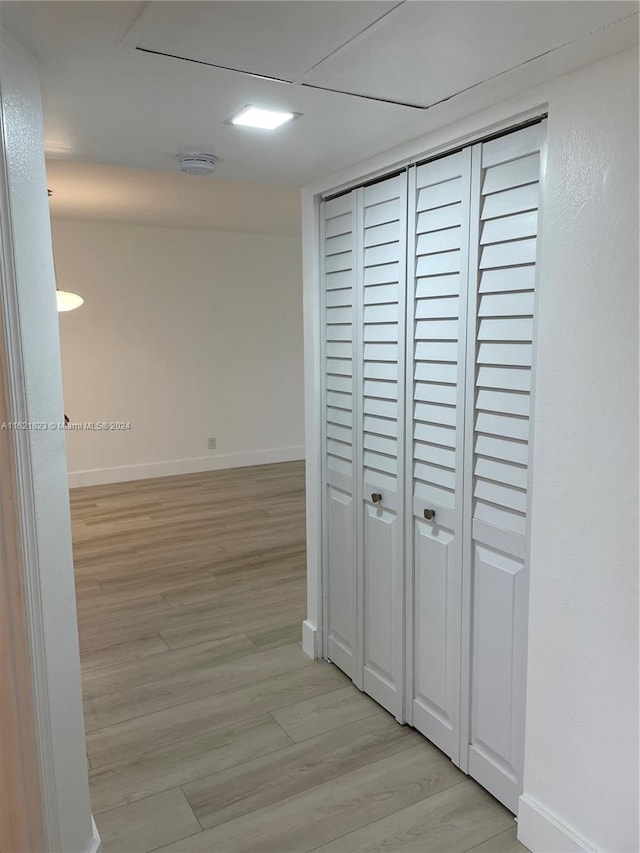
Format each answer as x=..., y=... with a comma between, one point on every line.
x=438, y=261
x=338, y=261
x=383, y=209
x=504, y=203
x=428, y=282
x=363, y=285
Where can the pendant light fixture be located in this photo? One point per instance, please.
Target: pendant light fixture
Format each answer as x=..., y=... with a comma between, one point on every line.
x=68, y=301
x=65, y=299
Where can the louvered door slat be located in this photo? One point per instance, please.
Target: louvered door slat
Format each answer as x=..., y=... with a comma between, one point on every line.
x=503, y=281
x=338, y=245
x=504, y=227
x=438, y=251
x=338, y=280
x=382, y=332
x=337, y=349
x=377, y=294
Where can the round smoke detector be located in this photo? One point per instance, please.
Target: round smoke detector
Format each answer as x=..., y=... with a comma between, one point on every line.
x=197, y=164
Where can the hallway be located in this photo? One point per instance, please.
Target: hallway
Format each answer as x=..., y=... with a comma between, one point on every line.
x=208, y=729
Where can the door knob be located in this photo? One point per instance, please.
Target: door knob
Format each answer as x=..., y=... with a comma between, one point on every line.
x=429, y=514
x=376, y=497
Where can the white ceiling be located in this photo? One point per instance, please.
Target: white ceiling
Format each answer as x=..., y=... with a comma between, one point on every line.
x=120, y=194
x=105, y=101
x=448, y=47
x=281, y=39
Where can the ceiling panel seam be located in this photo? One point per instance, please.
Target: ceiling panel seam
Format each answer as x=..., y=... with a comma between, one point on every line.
x=351, y=40
x=378, y=99
x=531, y=59
x=272, y=79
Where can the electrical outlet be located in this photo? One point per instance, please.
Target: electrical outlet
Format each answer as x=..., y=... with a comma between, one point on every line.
x=211, y=443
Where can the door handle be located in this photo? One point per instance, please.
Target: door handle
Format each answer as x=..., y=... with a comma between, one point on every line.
x=376, y=497
x=429, y=514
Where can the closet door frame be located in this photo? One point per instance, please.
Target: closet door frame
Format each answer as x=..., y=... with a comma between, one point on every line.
x=409, y=573
x=358, y=420
x=469, y=416
x=324, y=509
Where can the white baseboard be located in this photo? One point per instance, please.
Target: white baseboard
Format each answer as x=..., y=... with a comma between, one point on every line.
x=542, y=832
x=95, y=842
x=310, y=640
x=100, y=476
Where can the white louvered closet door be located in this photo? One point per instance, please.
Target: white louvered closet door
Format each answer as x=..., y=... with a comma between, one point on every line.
x=338, y=259
x=428, y=303
x=438, y=273
x=504, y=203
x=381, y=321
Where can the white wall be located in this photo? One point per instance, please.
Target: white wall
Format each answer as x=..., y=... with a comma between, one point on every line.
x=582, y=708
x=42, y=502
x=186, y=334
x=581, y=757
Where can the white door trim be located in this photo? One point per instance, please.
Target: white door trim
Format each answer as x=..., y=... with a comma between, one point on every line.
x=39, y=517
x=312, y=640
x=24, y=512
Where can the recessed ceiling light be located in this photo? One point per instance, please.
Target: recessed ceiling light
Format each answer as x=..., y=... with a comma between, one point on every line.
x=251, y=116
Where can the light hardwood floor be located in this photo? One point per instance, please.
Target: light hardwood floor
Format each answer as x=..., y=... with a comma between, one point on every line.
x=208, y=729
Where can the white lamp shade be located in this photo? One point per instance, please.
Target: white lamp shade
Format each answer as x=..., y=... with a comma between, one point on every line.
x=67, y=301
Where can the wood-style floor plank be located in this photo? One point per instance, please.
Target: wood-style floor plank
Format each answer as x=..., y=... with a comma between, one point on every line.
x=306, y=765
x=323, y=713
x=447, y=822
x=255, y=618
x=92, y=614
x=134, y=673
x=123, y=652
x=506, y=842
x=185, y=761
x=304, y=821
x=142, y=825
x=208, y=729
x=282, y=635
x=193, y=682
x=148, y=732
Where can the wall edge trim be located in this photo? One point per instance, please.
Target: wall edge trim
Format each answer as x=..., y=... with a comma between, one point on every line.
x=543, y=832
x=193, y=465
x=94, y=847
x=309, y=640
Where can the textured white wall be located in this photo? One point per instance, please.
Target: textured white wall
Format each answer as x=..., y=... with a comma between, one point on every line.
x=56, y=658
x=186, y=334
x=582, y=706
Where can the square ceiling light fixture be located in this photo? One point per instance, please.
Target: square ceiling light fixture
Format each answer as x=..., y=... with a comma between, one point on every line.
x=261, y=118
